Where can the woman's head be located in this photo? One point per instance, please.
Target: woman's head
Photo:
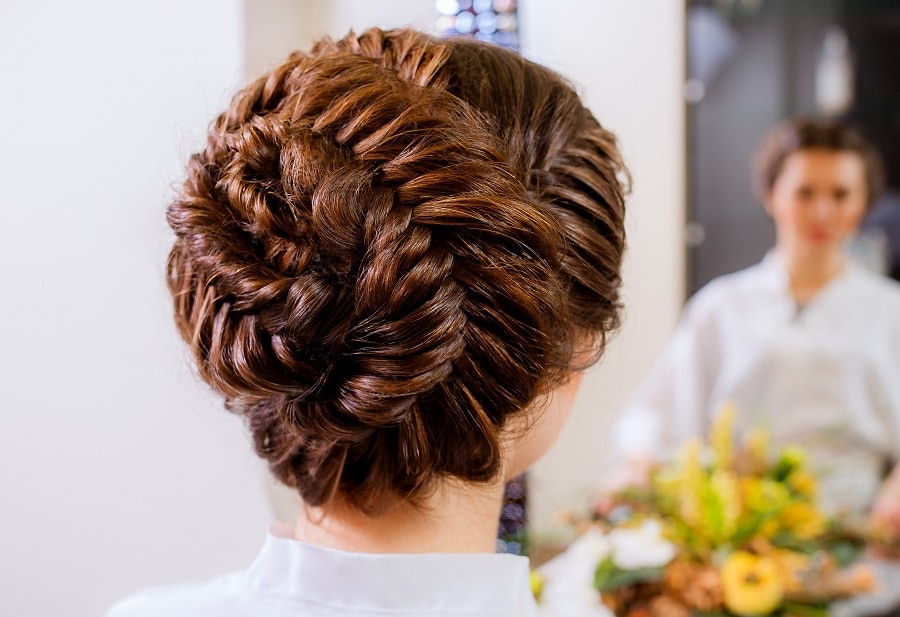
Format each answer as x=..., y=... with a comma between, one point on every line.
x=802, y=134
x=817, y=179
x=389, y=248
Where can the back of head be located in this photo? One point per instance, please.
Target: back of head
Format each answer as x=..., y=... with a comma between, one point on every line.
x=389, y=247
x=795, y=134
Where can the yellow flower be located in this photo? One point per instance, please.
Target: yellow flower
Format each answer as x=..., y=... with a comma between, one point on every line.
x=725, y=506
x=756, y=443
x=721, y=438
x=667, y=482
x=769, y=528
x=537, y=584
x=693, y=484
x=764, y=496
x=795, y=456
x=803, y=483
x=804, y=520
x=792, y=458
x=751, y=584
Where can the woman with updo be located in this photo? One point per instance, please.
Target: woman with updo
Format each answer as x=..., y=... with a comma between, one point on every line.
x=393, y=259
x=805, y=344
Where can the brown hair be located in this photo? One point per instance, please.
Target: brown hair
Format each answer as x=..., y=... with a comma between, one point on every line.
x=388, y=247
x=791, y=135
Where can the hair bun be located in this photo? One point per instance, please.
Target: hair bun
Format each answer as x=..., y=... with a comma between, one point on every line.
x=363, y=276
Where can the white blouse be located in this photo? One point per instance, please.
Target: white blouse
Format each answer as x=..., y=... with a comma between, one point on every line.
x=290, y=578
x=825, y=376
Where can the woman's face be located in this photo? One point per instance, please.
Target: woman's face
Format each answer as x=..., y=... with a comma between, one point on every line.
x=818, y=200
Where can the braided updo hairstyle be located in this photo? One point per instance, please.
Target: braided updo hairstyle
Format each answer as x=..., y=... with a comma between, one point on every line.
x=389, y=246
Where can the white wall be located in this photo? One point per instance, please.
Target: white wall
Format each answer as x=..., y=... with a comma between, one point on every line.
x=117, y=469
x=626, y=59
x=277, y=27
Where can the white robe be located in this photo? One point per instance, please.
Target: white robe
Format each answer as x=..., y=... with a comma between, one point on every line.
x=825, y=376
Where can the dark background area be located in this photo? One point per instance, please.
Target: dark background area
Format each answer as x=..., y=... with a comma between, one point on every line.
x=751, y=63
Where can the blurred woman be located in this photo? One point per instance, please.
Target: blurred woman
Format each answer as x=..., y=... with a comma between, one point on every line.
x=393, y=259
x=805, y=344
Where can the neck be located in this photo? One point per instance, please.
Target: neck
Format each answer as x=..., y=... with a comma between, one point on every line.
x=809, y=271
x=457, y=518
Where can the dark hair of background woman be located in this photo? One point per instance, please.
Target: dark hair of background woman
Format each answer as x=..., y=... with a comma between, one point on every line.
x=796, y=134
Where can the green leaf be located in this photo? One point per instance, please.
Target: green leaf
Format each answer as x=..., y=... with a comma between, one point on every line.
x=805, y=610
x=748, y=526
x=785, y=539
x=846, y=552
x=609, y=576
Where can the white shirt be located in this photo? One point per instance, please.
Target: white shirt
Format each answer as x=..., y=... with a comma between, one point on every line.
x=825, y=376
x=290, y=578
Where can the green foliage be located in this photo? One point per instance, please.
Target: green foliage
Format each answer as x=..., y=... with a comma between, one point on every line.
x=804, y=610
x=609, y=576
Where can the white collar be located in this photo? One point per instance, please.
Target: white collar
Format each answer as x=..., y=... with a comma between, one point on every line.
x=773, y=272
x=423, y=582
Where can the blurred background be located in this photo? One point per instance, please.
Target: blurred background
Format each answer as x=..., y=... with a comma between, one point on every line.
x=118, y=468
x=753, y=62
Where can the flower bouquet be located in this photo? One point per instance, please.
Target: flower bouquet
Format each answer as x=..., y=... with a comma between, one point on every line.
x=724, y=531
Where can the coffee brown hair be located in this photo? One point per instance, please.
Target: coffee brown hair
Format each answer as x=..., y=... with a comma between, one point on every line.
x=389, y=247
x=794, y=134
